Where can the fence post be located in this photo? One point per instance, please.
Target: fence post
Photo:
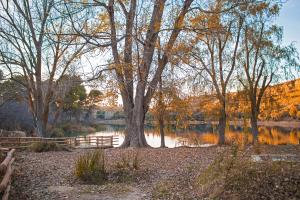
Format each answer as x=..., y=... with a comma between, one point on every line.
x=111, y=141
x=6, y=165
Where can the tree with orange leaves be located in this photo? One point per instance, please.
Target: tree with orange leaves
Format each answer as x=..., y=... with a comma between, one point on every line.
x=216, y=51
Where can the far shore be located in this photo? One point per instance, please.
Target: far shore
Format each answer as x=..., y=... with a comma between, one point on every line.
x=285, y=124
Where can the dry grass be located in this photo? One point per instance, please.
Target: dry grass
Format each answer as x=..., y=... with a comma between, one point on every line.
x=129, y=160
x=126, y=167
x=235, y=176
x=90, y=167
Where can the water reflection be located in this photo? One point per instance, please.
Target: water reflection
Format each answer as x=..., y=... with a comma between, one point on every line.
x=204, y=135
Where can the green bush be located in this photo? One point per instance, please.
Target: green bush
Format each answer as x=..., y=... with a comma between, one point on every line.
x=56, y=133
x=47, y=146
x=90, y=167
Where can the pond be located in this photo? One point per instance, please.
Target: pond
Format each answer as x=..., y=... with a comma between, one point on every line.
x=206, y=135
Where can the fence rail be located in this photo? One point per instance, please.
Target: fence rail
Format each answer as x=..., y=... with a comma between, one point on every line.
x=6, y=170
x=77, y=142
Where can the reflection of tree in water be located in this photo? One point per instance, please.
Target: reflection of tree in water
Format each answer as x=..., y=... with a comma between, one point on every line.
x=236, y=134
x=269, y=136
x=275, y=136
x=207, y=134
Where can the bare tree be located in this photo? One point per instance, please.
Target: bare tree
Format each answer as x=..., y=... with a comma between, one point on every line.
x=133, y=39
x=36, y=43
x=263, y=58
x=216, y=52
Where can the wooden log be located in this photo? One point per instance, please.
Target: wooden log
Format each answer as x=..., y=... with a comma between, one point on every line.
x=6, y=193
x=6, y=161
x=4, y=149
x=7, y=177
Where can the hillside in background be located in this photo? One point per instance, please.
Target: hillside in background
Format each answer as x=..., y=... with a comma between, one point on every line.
x=280, y=102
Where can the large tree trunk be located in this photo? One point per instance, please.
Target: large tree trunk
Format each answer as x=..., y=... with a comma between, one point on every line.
x=222, y=126
x=136, y=110
x=254, y=127
x=134, y=133
x=41, y=116
x=41, y=127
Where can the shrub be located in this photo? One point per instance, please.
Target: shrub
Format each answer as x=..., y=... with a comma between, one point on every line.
x=90, y=167
x=223, y=164
x=129, y=160
x=270, y=180
x=127, y=166
x=162, y=190
x=56, y=132
x=235, y=176
x=47, y=146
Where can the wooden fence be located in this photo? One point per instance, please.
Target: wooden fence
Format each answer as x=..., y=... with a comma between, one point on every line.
x=77, y=142
x=6, y=170
x=94, y=141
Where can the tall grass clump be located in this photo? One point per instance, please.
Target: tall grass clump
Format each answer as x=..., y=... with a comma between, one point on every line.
x=127, y=167
x=90, y=167
x=129, y=160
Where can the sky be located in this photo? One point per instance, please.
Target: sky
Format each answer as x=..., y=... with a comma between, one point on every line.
x=289, y=18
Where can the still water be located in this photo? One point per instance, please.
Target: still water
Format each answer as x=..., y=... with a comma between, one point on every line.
x=206, y=135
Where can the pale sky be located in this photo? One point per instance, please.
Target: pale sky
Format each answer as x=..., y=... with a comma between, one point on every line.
x=289, y=18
